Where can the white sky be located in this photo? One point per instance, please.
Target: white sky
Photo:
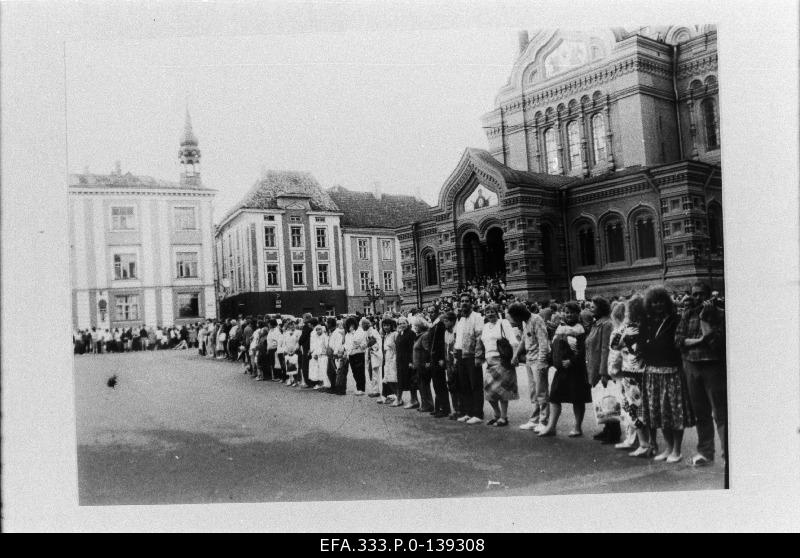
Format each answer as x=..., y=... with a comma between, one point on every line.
x=396, y=107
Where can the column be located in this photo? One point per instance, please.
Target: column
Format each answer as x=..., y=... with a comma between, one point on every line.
x=609, y=133
x=167, y=313
x=584, y=149
x=560, y=145
x=537, y=155
x=692, y=126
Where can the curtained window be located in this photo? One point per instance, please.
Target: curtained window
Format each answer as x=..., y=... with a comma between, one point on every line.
x=551, y=150
x=586, y=245
x=574, y=138
x=710, y=121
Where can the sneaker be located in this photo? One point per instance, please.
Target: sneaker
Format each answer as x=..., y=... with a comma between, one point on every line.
x=540, y=428
x=475, y=420
x=359, y=393
x=412, y=405
x=530, y=425
x=465, y=418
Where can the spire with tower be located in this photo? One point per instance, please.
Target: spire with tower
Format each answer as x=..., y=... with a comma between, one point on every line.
x=189, y=155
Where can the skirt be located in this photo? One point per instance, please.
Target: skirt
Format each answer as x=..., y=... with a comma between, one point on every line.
x=318, y=369
x=631, y=383
x=499, y=382
x=665, y=399
x=570, y=386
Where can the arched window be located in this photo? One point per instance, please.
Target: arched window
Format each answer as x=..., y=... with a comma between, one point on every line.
x=599, y=139
x=551, y=149
x=615, y=241
x=574, y=137
x=644, y=225
x=431, y=269
x=710, y=121
x=715, y=228
x=586, y=245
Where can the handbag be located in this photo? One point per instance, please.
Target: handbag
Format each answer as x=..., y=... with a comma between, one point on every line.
x=504, y=348
x=607, y=405
x=291, y=364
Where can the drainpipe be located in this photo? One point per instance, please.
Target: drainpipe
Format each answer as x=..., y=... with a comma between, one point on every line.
x=563, y=200
x=677, y=103
x=660, y=231
x=414, y=234
x=708, y=230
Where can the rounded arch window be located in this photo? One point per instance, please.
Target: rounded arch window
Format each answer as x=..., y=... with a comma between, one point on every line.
x=709, y=112
x=585, y=236
x=599, y=138
x=574, y=143
x=644, y=224
x=431, y=268
x=548, y=251
x=551, y=151
x=614, y=240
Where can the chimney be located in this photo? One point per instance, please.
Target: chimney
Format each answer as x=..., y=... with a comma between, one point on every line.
x=523, y=41
x=376, y=190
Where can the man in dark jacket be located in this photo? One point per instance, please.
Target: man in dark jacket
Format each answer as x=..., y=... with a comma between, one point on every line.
x=305, y=354
x=438, y=370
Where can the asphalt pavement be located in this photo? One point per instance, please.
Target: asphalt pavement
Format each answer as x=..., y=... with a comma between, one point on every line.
x=180, y=428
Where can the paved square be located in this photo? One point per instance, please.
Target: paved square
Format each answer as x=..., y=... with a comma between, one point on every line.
x=179, y=428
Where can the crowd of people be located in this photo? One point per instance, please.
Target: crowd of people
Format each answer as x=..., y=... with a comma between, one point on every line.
x=96, y=340
x=647, y=362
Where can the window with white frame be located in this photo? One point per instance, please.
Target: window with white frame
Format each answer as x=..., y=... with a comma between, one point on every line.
x=322, y=237
x=272, y=275
x=123, y=218
x=188, y=305
x=298, y=274
x=363, y=248
x=386, y=249
x=363, y=280
x=126, y=307
x=185, y=219
x=124, y=266
x=269, y=237
x=388, y=281
x=322, y=274
x=296, y=233
x=186, y=263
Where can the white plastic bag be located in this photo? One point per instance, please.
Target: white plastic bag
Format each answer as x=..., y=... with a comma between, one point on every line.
x=607, y=403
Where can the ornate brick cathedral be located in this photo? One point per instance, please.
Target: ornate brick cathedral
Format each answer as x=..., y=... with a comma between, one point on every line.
x=603, y=161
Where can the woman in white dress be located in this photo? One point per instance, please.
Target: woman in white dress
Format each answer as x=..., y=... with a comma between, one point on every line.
x=388, y=362
x=318, y=365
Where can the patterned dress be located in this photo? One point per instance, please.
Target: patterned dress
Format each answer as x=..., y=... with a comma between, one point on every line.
x=500, y=378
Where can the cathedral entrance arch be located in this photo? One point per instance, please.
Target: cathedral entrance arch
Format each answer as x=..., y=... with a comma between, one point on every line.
x=495, y=252
x=474, y=255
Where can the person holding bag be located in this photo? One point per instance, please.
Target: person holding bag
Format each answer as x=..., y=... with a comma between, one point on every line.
x=597, y=348
x=500, y=378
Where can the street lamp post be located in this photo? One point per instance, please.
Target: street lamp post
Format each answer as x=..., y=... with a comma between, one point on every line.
x=374, y=294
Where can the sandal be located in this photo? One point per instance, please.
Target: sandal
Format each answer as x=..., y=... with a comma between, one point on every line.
x=575, y=434
x=491, y=422
x=501, y=422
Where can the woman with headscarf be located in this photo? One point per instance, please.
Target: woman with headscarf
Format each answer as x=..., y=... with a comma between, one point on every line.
x=406, y=375
x=500, y=380
x=666, y=399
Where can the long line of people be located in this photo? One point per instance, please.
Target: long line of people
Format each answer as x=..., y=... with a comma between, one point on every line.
x=96, y=340
x=643, y=365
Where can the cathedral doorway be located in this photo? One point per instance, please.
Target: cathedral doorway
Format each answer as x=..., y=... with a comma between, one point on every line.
x=474, y=255
x=495, y=253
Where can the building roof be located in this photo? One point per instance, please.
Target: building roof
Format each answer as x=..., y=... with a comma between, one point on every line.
x=513, y=177
x=127, y=180
x=273, y=184
x=370, y=210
